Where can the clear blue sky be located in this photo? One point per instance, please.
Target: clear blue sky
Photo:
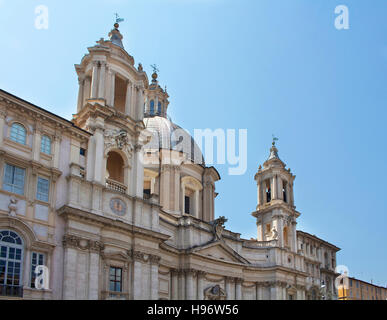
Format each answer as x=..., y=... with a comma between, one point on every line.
x=269, y=66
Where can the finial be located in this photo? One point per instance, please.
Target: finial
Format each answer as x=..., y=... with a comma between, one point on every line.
x=274, y=140
x=155, y=71
x=118, y=20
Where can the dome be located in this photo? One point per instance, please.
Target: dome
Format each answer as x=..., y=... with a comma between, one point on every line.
x=167, y=135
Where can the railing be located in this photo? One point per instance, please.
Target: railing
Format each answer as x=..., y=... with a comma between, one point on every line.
x=261, y=244
x=110, y=295
x=11, y=291
x=115, y=186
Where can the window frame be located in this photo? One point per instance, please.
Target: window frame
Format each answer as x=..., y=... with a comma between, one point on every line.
x=12, y=185
x=43, y=145
x=14, y=136
x=38, y=194
x=114, y=281
x=15, y=246
x=33, y=266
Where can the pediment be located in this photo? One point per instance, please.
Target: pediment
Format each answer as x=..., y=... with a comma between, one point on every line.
x=221, y=251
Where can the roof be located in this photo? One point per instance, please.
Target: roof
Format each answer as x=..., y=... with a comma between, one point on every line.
x=318, y=239
x=169, y=136
x=44, y=110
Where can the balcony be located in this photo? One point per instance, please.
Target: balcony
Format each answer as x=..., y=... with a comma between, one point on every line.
x=11, y=291
x=115, y=186
x=110, y=295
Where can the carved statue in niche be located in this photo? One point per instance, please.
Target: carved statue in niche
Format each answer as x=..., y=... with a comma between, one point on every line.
x=12, y=206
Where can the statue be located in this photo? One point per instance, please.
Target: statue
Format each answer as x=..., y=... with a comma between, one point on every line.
x=218, y=227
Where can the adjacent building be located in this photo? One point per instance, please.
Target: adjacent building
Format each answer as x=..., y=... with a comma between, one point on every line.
x=355, y=289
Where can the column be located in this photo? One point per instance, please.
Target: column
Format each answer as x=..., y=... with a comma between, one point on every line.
x=99, y=151
x=128, y=98
x=259, y=289
x=200, y=276
x=102, y=75
x=140, y=106
x=189, y=278
x=174, y=284
x=137, y=276
x=81, y=83
x=94, y=81
x=154, y=260
x=177, y=188
x=37, y=141
x=86, y=90
x=259, y=192
x=182, y=193
x=3, y=115
x=196, y=209
x=274, y=188
x=280, y=188
x=230, y=288
x=181, y=285
x=70, y=274
x=112, y=87
x=139, y=171
x=291, y=194
x=93, y=275
x=294, y=231
x=238, y=289
x=90, y=159
x=56, y=154
x=133, y=111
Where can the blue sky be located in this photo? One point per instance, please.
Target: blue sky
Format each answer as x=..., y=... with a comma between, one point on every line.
x=270, y=66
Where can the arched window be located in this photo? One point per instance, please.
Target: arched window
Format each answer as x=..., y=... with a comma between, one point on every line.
x=159, y=108
x=18, y=133
x=45, y=145
x=11, y=257
x=115, y=172
x=152, y=108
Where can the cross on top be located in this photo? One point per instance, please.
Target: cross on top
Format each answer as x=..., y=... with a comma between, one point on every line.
x=118, y=19
x=274, y=139
x=155, y=69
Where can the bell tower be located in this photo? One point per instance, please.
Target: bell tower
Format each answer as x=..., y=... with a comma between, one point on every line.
x=275, y=213
x=108, y=78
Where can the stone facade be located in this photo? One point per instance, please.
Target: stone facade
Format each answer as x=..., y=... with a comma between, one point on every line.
x=119, y=204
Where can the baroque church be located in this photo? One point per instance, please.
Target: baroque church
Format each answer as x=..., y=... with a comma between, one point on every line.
x=118, y=203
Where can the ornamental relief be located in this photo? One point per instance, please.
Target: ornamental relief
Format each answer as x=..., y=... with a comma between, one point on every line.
x=119, y=139
x=82, y=243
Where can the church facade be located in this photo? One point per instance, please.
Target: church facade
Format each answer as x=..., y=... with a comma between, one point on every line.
x=118, y=203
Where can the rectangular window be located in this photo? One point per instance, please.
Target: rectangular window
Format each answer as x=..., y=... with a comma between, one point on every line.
x=45, y=145
x=115, y=279
x=43, y=189
x=82, y=152
x=14, y=179
x=37, y=259
x=187, y=205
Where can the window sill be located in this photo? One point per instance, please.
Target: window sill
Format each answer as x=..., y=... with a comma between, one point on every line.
x=16, y=145
x=46, y=156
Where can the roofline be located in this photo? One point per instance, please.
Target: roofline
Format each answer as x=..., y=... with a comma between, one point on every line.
x=44, y=110
x=371, y=284
x=319, y=239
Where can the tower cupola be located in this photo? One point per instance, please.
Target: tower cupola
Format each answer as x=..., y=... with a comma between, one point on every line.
x=156, y=103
